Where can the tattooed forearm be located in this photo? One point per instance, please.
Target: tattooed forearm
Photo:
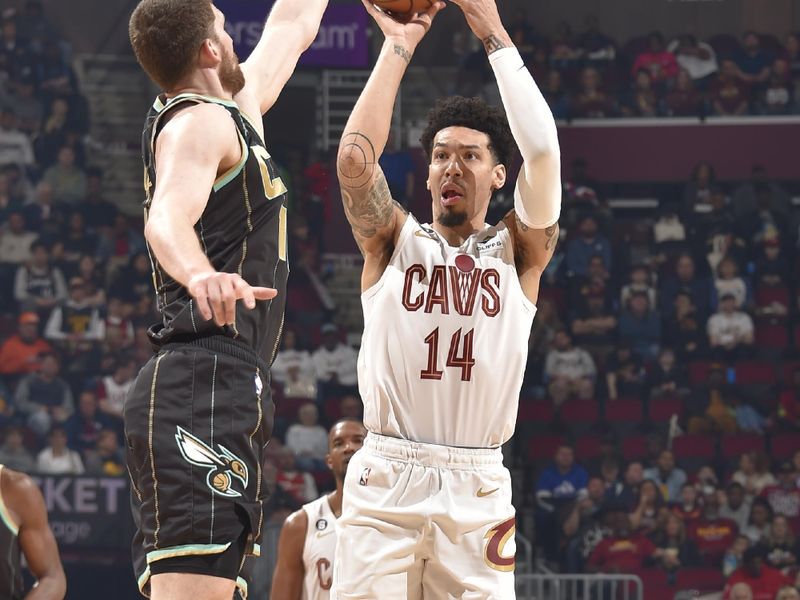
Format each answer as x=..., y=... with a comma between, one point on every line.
x=357, y=160
x=551, y=237
x=493, y=43
x=520, y=225
x=402, y=53
x=369, y=211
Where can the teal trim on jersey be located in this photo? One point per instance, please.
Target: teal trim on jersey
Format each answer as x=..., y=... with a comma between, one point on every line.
x=231, y=173
x=256, y=550
x=187, y=550
x=159, y=105
x=142, y=581
x=242, y=585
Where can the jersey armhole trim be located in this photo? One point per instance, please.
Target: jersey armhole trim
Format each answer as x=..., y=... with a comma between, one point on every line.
x=231, y=173
x=508, y=245
x=405, y=233
x=5, y=514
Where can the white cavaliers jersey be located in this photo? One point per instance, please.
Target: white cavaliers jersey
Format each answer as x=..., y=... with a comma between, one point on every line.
x=445, y=340
x=318, y=549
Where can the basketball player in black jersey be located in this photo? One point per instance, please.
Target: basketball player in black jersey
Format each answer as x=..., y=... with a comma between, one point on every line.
x=200, y=413
x=24, y=531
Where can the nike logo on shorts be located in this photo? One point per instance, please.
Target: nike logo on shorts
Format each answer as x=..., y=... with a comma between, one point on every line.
x=480, y=493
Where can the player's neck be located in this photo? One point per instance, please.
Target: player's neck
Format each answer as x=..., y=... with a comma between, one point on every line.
x=335, y=500
x=455, y=236
x=204, y=82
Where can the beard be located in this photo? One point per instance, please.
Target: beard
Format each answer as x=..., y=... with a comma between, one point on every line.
x=452, y=218
x=230, y=74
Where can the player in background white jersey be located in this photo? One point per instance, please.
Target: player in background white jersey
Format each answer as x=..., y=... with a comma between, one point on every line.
x=448, y=308
x=304, y=569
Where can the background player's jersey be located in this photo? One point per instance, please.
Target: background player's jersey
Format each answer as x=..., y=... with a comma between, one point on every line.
x=445, y=340
x=318, y=549
x=11, y=584
x=242, y=230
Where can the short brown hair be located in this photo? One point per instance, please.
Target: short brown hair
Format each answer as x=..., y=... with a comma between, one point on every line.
x=166, y=36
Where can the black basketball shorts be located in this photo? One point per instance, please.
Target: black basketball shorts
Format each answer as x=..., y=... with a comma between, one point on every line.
x=197, y=421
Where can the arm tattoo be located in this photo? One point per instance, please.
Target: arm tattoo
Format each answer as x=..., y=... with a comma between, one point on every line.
x=357, y=160
x=493, y=44
x=520, y=225
x=551, y=236
x=402, y=53
x=371, y=210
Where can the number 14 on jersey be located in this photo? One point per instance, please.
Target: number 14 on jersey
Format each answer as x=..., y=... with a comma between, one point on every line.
x=457, y=356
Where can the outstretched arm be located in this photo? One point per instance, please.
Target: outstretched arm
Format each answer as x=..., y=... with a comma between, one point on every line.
x=375, y=218
x=291, y=28
x=35, y=537
x=537, y=197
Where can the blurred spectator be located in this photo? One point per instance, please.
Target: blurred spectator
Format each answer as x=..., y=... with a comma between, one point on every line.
x=556, y=94
x=758, y=527
x=85, y=424
x=588, y=243
x=709, y=411
x=21, y=354
x=732, y=559
x=595, y=326
x=13, y=453
x=568, y=370
x=93, y=279
x=730, y=331
x=544, y=329
x=335, y=361
x=697, y=59
x=44, y=398
x=120, y=243
x=118, y=327
x=642, y=100
x=728, y=281
x=398, y=168
x=625, y=374
x=753, y=473
x=674, y=549
x=75, y=241
x=584, y=526
x=788, y=403
x=640, y=326
x=15, y=145
x=763, y=581
x=113, y=389
x=623, y=550
x=683, y=100
x=67, y=179
x=298, y=484
x=523, y=33
x=784, y=496
x=106, y=458
x=748, y=419
x=685, y=279
x=667, y=476
x=75, y=324
x=39, y=286
x=683, y=330
x=599, y=49
x=712, y=534
x=280, y=504
x=133, y=280
x=351, y=407
x=688, y=506
x=22, y=101
x=753, y=63
x=640, y=281
x=783, y=551
x=42, y=216
x=308, y=439
x=667, y=379
x=777, y=97
x=772, y=271
x=644, y=518
x=656, y=60
x=294, y=369
x=56, y=458
x=591, y=101
x=697, y=192
x=788, y=593
x=626, y=492
x=564, y=51
x=97, y=211
x=15, y=241
x=746, y=196
x=728, y=95
x=735, y=505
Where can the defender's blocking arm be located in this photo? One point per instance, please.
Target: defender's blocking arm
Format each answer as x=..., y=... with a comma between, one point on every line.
x=375, y=218
x=290, y=29
x=537, y=197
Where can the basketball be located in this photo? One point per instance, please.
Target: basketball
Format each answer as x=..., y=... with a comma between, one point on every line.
x=221, y=481
x=403, y=7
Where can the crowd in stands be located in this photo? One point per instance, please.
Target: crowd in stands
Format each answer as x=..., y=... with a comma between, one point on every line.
x=591, y=75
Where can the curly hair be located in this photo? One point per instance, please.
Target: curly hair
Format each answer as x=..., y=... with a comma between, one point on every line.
x=458, y=111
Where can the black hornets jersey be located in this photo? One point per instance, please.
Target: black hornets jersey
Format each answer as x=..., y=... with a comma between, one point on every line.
x=11, y=583
x=242, y=230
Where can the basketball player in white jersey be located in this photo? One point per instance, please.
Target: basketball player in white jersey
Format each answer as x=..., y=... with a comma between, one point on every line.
x=448, y=308
x=304, y=569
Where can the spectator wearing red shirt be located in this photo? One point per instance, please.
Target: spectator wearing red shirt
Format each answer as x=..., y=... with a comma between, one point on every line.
x=712, y=534
x=784, y=498
x=688, y=507
x=728, y=95
x=623, y=550
x=299, y=485
x=683, y=100
x=20, y=354
x=591, y=101
x=763, y=581
x=656, y=60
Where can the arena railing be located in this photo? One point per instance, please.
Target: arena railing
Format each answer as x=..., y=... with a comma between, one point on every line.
x=579, y=586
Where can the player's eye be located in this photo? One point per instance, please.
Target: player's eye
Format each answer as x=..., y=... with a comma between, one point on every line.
x=440, y=155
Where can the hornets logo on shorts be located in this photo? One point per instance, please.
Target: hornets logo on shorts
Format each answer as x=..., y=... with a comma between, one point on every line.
x=223, y=466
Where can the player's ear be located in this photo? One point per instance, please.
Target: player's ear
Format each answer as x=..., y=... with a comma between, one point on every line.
x=328, y=461
x=498, y=177
x=209, y=54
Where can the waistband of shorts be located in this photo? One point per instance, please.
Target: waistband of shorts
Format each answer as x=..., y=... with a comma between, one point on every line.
x=432, y=455
x=223, y=345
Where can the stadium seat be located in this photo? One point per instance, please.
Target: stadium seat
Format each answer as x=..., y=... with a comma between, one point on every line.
x=556, y=295
x=655, y=583
x=332, y=408
x=660, y=411
x=693, y=451
x=751, y=371
x=768, y=294
x=579, y=415
x=787, y=370
x=736, y=444
x=702, y=580
x=783, y=445
x=770, y=335
x=288, y=407
x=725, y=45
x=625, y=414
x=698, y=371
x=588, y=447
x=634, y=447
x=542, y=448
x=535, y=416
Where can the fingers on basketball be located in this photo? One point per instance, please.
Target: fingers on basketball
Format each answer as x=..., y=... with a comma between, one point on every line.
x=404, y=10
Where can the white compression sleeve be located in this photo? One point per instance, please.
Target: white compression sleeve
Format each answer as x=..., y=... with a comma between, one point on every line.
x=535, y=132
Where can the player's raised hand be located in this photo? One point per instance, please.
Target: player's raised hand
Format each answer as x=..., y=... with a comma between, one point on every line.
x=411, y=31
x=216, y=295
x=484, y=20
